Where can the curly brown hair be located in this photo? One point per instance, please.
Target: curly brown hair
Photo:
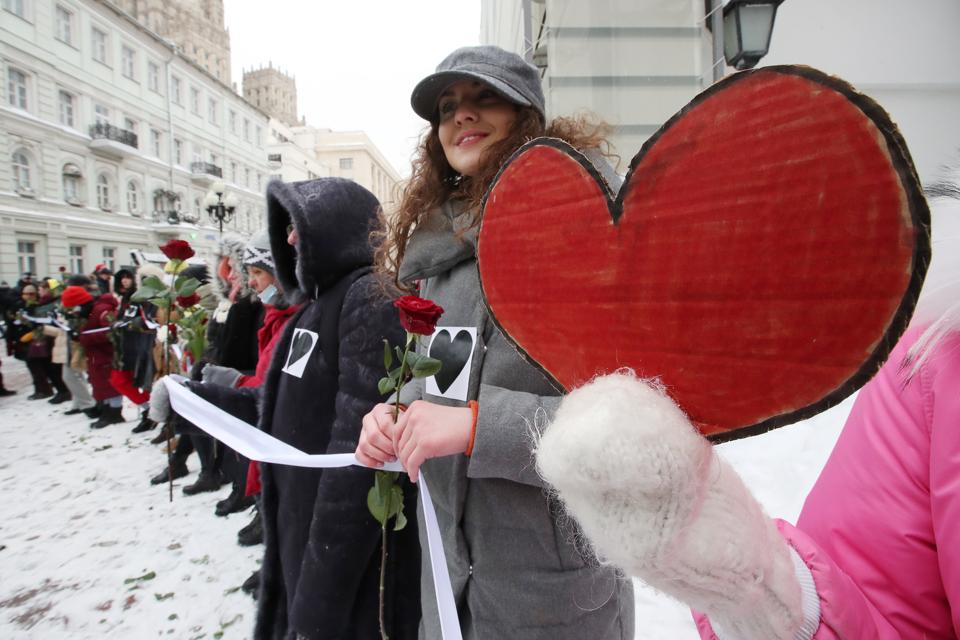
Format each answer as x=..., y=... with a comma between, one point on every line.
x=433, y=181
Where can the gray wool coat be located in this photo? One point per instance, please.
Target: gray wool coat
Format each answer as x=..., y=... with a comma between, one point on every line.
x=515, y=564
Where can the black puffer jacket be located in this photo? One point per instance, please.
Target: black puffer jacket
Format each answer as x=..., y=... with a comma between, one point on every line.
x=320, y=573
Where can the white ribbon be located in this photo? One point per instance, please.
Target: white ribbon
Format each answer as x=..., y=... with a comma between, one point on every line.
x=257, y=445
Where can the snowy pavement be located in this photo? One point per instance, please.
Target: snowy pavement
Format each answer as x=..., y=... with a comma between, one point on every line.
x=88, y=549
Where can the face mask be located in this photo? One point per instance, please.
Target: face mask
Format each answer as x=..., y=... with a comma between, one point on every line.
x=267, y=295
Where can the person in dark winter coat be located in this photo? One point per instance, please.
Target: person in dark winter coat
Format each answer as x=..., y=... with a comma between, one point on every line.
x=134, y=366
x=320, y=573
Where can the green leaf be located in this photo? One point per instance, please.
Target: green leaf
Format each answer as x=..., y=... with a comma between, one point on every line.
x=401, y=521
x=387, y=356
x=425, y=367
x=186, y=286
x=386, y=385
x=394, y=375
x=153, y=282
x=144, y=293
x=378, y=509
x=399, y=352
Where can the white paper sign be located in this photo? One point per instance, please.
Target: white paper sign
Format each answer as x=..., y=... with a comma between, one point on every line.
x=302, y=345
x=454, y=347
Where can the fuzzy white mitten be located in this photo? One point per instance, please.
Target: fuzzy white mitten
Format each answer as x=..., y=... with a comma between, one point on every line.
x=159, y=401
x=224, y=376
x=654, y=499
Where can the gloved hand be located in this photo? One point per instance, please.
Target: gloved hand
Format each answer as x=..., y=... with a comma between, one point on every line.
x=656, y=500
x=224, y=376
x=159, y=401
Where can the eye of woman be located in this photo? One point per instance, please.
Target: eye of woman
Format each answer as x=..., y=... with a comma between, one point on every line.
x=446, y=107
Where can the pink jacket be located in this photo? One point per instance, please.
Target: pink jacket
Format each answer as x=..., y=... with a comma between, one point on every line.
x=880, y=530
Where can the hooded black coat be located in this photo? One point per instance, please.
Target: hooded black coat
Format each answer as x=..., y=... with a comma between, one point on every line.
x=320, y=572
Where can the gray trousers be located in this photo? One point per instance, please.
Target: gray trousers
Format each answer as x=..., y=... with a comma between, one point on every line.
x=78, y=388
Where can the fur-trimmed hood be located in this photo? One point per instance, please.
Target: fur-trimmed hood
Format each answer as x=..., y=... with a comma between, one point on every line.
x=333, y=218
x=148, y=269
x=232, y=246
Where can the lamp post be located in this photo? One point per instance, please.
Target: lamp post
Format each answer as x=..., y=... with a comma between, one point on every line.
x=745, y=35
x=219, y=208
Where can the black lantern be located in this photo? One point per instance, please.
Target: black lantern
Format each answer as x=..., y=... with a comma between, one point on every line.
x=220, y=209
x=747, y=27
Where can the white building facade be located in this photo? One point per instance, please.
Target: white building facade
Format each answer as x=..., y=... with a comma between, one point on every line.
x=636, y=63
x=111, y=139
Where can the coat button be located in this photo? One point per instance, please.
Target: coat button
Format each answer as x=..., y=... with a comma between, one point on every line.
x=471, y=570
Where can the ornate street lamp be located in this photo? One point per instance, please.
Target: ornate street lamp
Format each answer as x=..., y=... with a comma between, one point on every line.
x=747, y=27
x=220, y=209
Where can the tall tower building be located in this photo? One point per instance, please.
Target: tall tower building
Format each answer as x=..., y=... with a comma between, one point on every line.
x=273, y=92
x=196, y=26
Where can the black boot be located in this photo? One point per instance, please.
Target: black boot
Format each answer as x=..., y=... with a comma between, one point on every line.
x=234, y=503
x=94, y=411
x=252, y=533
x=145, y=424
x=165, y=434
x=205, y=482
x=251, y=585
x=6, y=392
x=60, y=396
x=108, y=415
x=39, y=395
x=75, y=411
x=179, y=471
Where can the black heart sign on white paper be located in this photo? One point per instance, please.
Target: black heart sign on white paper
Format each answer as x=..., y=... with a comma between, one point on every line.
x=301, y=346
x=454, y=352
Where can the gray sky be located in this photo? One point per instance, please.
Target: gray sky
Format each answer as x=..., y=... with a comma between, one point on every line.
x=355, y=61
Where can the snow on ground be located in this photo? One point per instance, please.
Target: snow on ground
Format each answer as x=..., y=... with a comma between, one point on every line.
x=88, y=549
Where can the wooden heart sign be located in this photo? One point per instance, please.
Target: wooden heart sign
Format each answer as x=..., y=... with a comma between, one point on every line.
x=761, y=259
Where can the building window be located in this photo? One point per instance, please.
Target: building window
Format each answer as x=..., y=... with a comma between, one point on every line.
x=64, y=25
x=27, y=256
x=233, y=122
x=153, y=76
x=214, y=159
x=72, y=184
x=103, y=192
x=67, y=102
x=128, y=61
x=20, y=162
x=175, y=90
x=16, y=7
x=246, y=130
x=212, y=110
x=17, y=88
x=155, y=142
x=99, y=39
x=129, y=124
x=246, y=178
x=133, y=198
x=259, y=136
x=195, y=100
x=233, y=172
x=259, y=181
x=346, y=164
x=177, y=151
x=196, y=207
x=101, y=114
x=110, y=257
x=76, y=259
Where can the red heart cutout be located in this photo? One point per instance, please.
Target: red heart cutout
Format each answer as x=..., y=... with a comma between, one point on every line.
x=761, y=259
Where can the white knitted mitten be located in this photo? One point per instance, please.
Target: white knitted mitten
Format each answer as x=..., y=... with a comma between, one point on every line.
x=159, y=401
x=655, y=500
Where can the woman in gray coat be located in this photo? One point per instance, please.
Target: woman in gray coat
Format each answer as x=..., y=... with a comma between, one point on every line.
x=514, y=564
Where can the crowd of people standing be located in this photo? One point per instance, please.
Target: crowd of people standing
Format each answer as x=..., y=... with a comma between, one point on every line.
x=297, y=317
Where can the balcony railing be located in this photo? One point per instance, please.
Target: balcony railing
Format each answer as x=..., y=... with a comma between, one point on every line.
x=207, y=168
x=274, y=157
x=104, y=131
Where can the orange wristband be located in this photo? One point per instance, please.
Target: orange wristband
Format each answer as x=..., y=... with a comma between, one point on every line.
x=475, y=408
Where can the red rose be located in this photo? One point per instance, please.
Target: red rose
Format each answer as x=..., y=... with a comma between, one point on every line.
x=186, y=302
x=172, y=332
x=178, y=250
x=418, y=315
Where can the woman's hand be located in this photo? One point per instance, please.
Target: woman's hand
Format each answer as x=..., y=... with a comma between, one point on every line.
x=375, y=446
x=427, y=430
